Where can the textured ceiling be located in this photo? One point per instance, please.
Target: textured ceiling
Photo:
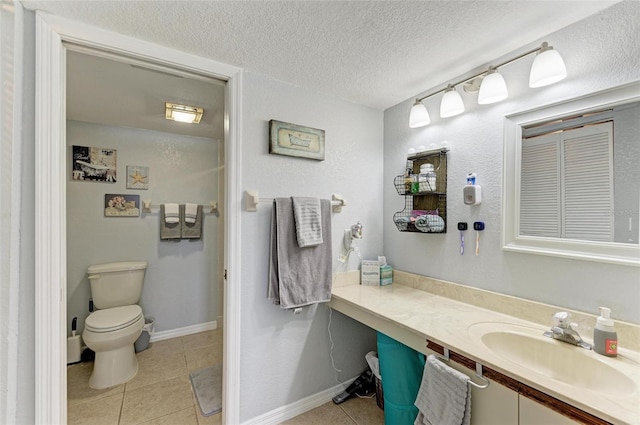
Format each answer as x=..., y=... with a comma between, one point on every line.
x=376, y=53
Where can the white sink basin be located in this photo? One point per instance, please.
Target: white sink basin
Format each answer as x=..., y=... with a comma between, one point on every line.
x=527, y=347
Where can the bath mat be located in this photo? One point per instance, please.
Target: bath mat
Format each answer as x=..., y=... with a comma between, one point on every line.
x=207, y=385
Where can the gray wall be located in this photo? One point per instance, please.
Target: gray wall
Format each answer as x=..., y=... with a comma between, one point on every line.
x=626, y=163
x=600, y=52
x=285, y=357
x=181, y=282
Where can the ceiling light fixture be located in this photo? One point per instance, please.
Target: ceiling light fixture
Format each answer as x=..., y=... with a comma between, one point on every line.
x=183, y=113
x=547, y=68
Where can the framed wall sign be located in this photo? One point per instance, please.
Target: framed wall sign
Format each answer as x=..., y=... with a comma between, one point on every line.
x=94, y=164
x=116, y=205
x=296, y=140
x=137, y=177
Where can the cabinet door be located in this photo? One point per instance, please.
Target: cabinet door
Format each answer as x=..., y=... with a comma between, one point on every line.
x=532, y=413
x=494, y=405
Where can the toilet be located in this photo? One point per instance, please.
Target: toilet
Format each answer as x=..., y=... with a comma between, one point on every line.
x=114, y=327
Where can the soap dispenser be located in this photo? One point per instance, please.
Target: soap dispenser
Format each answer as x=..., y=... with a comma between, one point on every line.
x=605, y=338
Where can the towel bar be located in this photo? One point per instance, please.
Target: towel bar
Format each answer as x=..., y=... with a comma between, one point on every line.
x=146, y=207
x=251, y=201
x=478, y=370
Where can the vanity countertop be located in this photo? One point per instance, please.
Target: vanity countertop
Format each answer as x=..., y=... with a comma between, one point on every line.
x=413, y=316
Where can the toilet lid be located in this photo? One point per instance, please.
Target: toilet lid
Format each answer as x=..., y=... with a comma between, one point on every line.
x=112, y=319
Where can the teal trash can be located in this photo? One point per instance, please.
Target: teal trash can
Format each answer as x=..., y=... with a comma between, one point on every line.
x=401, y=370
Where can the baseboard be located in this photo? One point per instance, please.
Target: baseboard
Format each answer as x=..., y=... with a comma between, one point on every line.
x=299, y=407
x=187, y=330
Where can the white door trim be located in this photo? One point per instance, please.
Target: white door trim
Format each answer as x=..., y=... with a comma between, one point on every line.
x=50, y=194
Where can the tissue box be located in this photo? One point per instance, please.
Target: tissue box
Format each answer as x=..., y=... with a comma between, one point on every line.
x=386, y=275
x=370, y=273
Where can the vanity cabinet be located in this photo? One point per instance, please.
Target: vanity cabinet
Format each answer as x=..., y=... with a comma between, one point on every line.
x=504, y=401
x=532, y=413
x=493, y=405
x=425, y=194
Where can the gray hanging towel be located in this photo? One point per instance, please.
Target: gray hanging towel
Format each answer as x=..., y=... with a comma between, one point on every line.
x=444, y=397
x=191, y=227
x=306, y=212
x=298, y=276
x=169, y=231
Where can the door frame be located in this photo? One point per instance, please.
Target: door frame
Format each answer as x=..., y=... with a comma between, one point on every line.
x=50, y=202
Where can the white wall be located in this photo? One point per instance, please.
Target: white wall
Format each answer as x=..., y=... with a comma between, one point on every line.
x=285, y=357
x=17, y=188
x=180, y=287
x=600, y=52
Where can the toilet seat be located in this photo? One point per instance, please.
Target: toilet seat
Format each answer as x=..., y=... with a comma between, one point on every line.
x=113, y=319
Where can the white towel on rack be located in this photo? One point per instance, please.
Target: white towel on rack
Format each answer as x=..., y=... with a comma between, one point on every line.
x=444, y=397
x=171, y=213
x=190, y=213
x=306, y=212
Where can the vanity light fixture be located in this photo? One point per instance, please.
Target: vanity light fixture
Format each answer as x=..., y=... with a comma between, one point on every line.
x=451, y=104
x=419, y=116
x=183, y=113
x=547, y=68
x=493, y=88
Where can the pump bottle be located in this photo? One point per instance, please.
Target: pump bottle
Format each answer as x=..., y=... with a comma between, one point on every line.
x=605, y=338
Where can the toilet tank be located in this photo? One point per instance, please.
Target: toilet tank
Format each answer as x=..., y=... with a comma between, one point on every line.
x=116, y=284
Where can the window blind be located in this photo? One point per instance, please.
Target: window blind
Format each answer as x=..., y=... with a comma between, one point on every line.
x=540, y=186
x=567, y=184
x=588, y=183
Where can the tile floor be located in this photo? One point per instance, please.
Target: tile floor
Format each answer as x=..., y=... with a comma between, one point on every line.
x=161, y=393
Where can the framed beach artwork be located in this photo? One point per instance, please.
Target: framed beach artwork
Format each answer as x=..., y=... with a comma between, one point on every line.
x=93, y=164
x=137, y=177
x=121, y=205
x=296, y=140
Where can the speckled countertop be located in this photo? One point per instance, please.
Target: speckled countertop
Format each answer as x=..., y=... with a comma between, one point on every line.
x=412, y=316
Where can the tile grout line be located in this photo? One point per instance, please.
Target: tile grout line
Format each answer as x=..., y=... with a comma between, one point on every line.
x=122, y=404
x=348, y=415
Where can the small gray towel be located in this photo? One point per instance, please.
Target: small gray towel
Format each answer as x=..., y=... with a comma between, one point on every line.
x=191, y=230
x=444, y=397
x=298, y=276
x=169, y=231
x=306, y=212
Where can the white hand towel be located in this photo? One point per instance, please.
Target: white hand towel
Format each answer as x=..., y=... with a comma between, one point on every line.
x=190, y=212
x=171, y=213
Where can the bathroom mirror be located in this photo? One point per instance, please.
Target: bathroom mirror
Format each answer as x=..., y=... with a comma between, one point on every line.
x=571, y=178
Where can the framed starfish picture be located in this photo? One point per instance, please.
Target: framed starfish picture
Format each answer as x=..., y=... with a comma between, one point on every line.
x=137, y=177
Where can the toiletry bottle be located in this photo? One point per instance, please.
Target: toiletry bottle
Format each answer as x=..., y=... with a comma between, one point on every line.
x=407, y=180
x=605, y=338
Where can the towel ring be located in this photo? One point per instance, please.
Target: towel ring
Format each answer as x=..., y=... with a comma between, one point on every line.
x=446, y=359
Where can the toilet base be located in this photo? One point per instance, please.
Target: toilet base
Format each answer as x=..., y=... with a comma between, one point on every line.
x=114, y=367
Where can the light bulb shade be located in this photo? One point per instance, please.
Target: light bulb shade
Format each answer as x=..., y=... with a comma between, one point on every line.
x=451, y=104
x=548, y=68
x=419, y=116
x=493, y=89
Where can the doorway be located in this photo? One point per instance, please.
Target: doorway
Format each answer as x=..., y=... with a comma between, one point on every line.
x=118, y=107
x=51, y=200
